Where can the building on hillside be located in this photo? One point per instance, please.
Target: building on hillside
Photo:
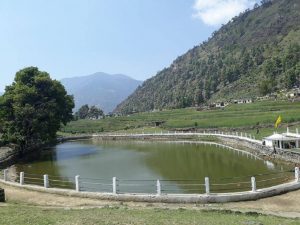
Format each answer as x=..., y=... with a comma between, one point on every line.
x=263, y=98
x=272, y=96
x=243, y=101
x=221, y=104
x=293, y=94
x=283, y=141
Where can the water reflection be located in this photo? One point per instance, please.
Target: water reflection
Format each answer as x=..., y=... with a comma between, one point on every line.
x=73, y=150
x=148, y=160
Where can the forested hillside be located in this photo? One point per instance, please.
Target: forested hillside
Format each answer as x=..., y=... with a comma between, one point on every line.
x=256, y=53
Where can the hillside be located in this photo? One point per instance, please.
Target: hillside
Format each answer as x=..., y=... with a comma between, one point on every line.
x=235, y=117
x=100, y=89
x=256, y=53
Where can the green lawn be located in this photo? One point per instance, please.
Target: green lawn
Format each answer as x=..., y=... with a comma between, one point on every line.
x=15, y=214
x=242, y=116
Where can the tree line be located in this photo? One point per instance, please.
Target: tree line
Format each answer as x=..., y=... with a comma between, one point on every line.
x=86, y=112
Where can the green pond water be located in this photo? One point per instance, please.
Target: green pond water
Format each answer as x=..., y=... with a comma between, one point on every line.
x=181, y=167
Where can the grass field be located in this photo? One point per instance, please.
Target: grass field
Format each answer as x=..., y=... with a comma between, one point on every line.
x=15, y=214
x=241, y=116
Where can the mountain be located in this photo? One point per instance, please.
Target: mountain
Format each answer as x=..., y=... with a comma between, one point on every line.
x=100, y=89
x=256, y=53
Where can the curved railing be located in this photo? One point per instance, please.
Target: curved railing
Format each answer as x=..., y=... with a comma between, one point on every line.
x=115, y=186
x=236, y=135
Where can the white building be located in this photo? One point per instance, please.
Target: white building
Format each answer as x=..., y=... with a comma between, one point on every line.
x=283, y=141
x=218, y=105
x=221, y=104
x=243, y=101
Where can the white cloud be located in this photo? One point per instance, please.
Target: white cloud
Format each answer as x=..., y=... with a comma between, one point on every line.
x=217, y=12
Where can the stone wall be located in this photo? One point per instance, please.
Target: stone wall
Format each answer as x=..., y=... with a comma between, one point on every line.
x=7, y=156
x=73, y=138
x=264, y=151
x=253, y=146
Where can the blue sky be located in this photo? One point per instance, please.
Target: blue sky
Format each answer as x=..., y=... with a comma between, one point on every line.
x=79, y=37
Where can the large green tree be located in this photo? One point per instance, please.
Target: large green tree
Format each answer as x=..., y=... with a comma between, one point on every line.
x=33, y=108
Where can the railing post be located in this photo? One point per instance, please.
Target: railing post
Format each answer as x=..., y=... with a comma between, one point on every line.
x=207, y=191
x=297, y=131
x=5, y=175
x=21, y=178
x=46, y=181
x=158, y=187
x=77, y=185
x=253, y=184
x=114, y=180
x=297, y=174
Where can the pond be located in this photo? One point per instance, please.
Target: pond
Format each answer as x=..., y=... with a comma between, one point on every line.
x=181, y=167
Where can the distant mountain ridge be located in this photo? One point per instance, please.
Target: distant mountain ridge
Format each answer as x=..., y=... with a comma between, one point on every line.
x=101, y=89
x=256, y=53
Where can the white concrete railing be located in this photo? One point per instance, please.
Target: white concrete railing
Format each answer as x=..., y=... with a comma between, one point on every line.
x=237, y=135
x=161, y=193
x=162, y=186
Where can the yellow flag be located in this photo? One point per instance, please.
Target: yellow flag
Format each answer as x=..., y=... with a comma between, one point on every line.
x=278, y=121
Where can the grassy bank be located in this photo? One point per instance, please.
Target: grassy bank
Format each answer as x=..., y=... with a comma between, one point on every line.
x=14, y=214
x=245, y=117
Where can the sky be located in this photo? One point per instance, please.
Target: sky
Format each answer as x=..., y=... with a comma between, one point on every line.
x=138, y=38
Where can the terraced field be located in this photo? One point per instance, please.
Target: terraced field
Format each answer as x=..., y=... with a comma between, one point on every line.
x=240, y=117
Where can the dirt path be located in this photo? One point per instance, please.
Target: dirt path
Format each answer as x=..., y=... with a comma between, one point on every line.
x=287, y=205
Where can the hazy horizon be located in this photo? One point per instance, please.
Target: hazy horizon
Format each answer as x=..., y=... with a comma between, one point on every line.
x=100, y=73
